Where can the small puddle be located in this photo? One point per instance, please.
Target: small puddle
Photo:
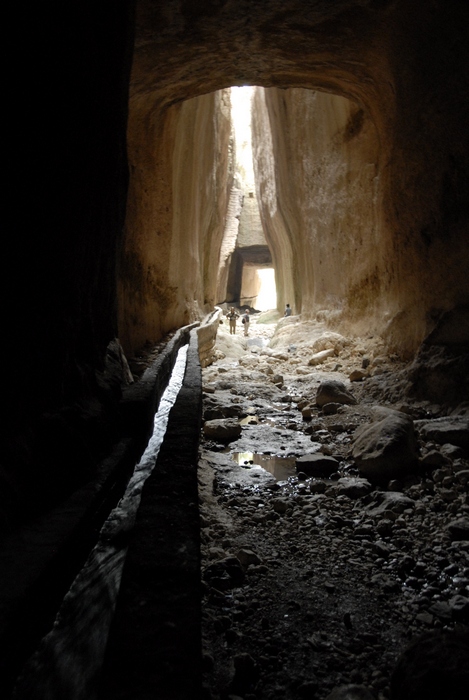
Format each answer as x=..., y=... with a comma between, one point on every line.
x=280, y=467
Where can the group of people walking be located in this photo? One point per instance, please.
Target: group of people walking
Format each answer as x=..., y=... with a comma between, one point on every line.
x=233, y=316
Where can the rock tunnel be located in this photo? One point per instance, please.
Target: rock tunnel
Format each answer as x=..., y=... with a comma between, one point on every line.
x=131, y=207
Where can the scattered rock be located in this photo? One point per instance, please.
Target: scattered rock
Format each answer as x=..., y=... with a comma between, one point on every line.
x=317, y=486
x=280, y=505
x=332, y=391
x=328, y=340
x=319, y=357
x=387, y=502
x=353, y=487
x=459, y=529
x=434, y=459
x=350, y=692
x=357, y=375
x=224, y=574
x=310, y=547
x=223, y=430
x=330, y=409
x=246, y=557
x=453, y=430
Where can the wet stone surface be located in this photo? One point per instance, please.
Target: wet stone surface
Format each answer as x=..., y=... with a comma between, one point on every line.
x=313, y=583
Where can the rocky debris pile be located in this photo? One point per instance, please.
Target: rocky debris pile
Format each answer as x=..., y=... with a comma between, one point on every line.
x=314, y=584
x=322, y=589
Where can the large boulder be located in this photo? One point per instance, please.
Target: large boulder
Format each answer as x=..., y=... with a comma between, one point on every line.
x=223, y=430
x=217, y=408
x=333, y=391
x=387, y=448
x=452, y=429
x=317, y=464
x=433, y=667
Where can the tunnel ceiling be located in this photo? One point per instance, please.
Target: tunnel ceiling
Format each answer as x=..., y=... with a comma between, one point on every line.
x=333, y=45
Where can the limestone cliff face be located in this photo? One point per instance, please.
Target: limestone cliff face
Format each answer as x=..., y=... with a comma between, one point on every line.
x=342, y=224
x=317, y=162
x=182, y=175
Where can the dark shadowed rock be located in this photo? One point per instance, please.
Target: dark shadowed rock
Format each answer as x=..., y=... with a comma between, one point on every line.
x=459, y=529
x=333, y=391
x=317, y=464
x=392, y=501
x=224, y=429
x=246, y=673
x=353, y=487
x=387, y=448
x=434, y=459
x=459, y=606
x=453, y=430
x=224, y=574
x=350, y=692
x=434, y=667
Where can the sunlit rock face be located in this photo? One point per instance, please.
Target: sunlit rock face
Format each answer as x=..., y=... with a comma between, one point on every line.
x=325, y=194
x=182, y=176
x=317, y=163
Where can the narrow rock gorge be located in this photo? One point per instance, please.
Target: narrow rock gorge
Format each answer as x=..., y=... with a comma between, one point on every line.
x=136, y=226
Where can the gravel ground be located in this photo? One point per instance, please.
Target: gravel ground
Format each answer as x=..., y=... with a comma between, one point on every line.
x=310, y=584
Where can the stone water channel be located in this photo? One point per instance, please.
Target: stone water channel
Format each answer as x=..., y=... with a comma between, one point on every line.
x=69, y=659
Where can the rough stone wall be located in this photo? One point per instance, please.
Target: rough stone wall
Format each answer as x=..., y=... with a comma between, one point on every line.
x=317, y=163
x=182, y=177
x=230, y=237
x=251, y=231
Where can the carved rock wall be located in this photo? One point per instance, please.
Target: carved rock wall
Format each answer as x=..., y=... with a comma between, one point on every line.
x=317, y=162
x=404, y=65
x=181, y=161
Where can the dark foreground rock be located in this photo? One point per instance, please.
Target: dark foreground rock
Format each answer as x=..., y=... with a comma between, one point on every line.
x=387, y=448
x=317, y=465
x=434, y=667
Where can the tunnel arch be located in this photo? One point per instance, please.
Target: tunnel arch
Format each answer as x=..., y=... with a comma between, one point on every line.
x=370, y=53
x=404, y=62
